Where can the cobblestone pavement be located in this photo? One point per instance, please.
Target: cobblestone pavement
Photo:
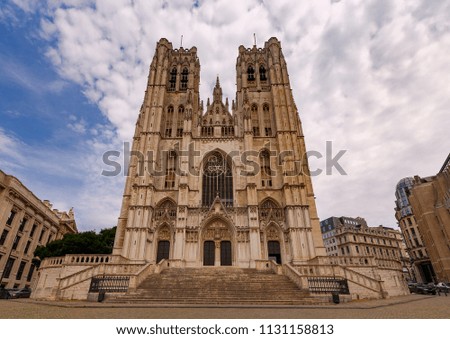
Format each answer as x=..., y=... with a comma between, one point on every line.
x=407, y=307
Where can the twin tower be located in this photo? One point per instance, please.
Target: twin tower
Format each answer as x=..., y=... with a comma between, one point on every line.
x=218, y=184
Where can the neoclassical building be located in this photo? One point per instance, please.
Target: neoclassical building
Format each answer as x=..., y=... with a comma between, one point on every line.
x=219, y=187
x=219, y=184
x=26, y=222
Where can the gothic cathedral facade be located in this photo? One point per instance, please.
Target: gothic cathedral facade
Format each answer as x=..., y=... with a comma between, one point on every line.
x=218, y=184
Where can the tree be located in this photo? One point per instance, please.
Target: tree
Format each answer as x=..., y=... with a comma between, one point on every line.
x=79, y=243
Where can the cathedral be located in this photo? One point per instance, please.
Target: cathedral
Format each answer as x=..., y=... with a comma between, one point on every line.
x=218, y=184
x=218, y=200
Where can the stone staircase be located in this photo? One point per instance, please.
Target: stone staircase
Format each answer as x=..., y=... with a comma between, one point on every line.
x=216, y=285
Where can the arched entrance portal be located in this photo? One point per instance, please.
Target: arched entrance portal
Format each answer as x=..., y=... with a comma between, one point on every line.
x=163, y=250
x=274, y=251
x=209, y=256
x=225, y=253
x=217, y=244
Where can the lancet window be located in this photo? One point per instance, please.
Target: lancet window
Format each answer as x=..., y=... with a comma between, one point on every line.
x=262, y=73
x=184, y=79
x=167, y=122
x=266, y=175
x=255, y=120
x=217, y=180
x=250, y=73
x=267, y=121
x=180, y=121
x=170, y=169
x=173, y=79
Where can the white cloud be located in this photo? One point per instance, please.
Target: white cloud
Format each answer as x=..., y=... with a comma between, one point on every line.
x=372, y=76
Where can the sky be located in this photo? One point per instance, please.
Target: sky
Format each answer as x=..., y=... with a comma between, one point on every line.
x=371, y=77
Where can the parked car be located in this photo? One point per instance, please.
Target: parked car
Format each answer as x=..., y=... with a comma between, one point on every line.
x=20, y=293
x=426, y=288
x=443, y=287
x=412, y=287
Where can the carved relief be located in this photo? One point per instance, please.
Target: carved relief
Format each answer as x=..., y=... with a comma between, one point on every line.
x=166, y=211
x=217, y=230
x=243, y=236
x=272, y=234
x=269, y=210
x=164, y=234
x=191, y=236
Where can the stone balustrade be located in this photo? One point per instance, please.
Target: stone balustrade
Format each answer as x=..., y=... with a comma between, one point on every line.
x=79, y=259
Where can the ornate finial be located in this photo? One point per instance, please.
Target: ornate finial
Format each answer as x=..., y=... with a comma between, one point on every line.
x=254, y=39
x=181, y=44
x=217, y=81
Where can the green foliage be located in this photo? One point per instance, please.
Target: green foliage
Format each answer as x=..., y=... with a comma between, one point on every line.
x=80, y=243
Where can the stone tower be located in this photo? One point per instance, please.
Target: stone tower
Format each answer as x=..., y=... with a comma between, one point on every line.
x=218, y=184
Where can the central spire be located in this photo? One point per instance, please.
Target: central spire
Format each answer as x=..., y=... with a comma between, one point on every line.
x=217, y=93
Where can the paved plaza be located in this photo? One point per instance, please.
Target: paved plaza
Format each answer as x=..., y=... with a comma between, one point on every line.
x=407, y=307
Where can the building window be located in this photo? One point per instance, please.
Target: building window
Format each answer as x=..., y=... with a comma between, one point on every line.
x=41, y=236
x=20, y=270
x=184, y=79
x=30, y=272
x=27, y=247
x=8, y=268
x=250, y=73
x=22, y=224
x=267, y=121
x=357, y=249
x=170, y=169
x=262, y=73
x=167, y=122
x=266, y=174
x=10, y=218
x=207, y=131
x=173, y=79
x=3, y=237
x=255, y=120
x=180, y=121
x=227, y=131
x=16, y=242
x=217, y=180
x=33, y=229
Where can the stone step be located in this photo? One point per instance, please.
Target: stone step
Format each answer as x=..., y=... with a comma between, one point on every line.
x=216, y=285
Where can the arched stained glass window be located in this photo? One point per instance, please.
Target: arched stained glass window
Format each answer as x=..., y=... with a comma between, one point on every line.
x=217, y=180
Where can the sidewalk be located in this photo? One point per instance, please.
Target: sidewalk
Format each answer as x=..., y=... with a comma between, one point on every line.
x=409, y=307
